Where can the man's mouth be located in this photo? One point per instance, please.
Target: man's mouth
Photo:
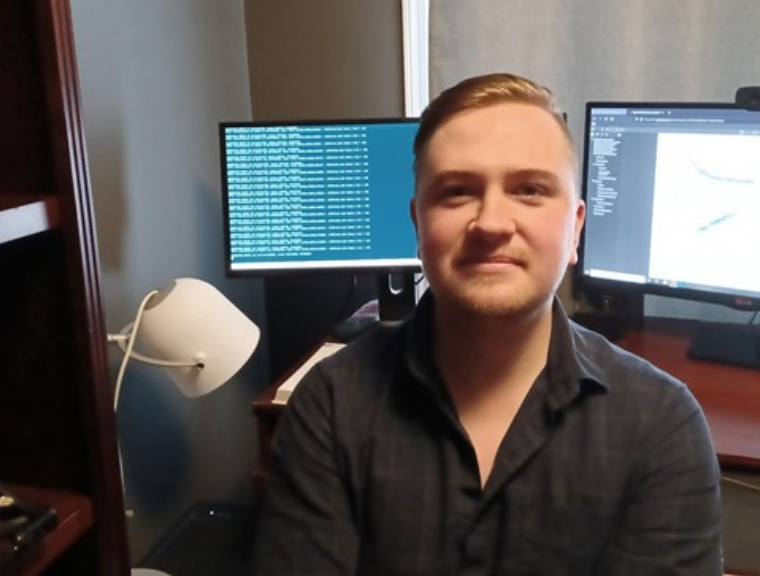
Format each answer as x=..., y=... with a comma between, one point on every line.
x=495, y=261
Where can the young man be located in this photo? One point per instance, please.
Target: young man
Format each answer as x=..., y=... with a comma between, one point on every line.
x=489, y=434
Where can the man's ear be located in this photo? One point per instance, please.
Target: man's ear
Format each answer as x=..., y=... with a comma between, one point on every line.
x=580, y=219
x=413, y=213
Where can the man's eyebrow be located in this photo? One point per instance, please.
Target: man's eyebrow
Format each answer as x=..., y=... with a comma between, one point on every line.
x=520, y=174
x=533, y=174
x=446, y=175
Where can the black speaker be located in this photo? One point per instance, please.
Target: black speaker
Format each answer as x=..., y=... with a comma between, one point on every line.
x=748, y=97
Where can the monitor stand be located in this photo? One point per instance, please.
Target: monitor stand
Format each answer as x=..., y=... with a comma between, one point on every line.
x=736, y=344
x=396, y=296
x=396, y=299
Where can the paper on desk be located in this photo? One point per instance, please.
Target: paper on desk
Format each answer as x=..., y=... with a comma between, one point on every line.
x=286, y=388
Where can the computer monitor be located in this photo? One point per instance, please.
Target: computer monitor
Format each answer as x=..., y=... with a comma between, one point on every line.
x=316, y=196
x=672, y=195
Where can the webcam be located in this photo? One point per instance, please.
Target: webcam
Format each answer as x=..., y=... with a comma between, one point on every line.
x=748, y=97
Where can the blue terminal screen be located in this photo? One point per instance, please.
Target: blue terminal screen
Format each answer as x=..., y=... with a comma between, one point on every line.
x=318, y=195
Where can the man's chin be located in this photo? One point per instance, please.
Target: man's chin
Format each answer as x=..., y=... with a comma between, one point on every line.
x=497, y=305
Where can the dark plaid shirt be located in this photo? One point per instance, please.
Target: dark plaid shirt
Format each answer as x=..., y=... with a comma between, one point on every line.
x=607, y=470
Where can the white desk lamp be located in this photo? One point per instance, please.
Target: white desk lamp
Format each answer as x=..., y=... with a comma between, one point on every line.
x=193, y=331
x=189, y=328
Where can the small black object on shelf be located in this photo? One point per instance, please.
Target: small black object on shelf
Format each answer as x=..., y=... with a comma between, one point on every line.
x=22, y=527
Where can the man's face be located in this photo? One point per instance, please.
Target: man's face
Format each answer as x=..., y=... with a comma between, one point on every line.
x=496, y=211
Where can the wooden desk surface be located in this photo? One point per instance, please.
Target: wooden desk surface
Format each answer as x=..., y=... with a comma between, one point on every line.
x=729, y=396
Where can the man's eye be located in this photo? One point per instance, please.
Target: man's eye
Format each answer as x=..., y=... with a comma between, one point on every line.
x=530, y=190
x=455, y=190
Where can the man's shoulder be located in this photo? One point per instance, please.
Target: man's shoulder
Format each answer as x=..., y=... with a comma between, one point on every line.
x=639, y=399
x=356, y=374
x=368, y=351
x=617, y=369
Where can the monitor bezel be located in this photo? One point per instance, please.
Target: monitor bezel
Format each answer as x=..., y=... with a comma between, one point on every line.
x=369, y=266
x=587, y=284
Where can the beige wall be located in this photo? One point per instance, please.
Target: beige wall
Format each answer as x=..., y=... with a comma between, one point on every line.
x=325, y=59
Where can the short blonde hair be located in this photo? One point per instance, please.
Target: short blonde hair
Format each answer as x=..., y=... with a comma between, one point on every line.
x=481, y=92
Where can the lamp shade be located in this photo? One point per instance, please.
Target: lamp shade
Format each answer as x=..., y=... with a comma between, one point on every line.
x=190, y=320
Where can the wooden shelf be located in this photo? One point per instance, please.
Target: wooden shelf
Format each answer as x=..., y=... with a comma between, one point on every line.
x=22, y=216
x=53, y=356
x=75, y=517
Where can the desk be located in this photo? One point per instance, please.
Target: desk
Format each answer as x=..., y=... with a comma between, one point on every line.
x=729, y=396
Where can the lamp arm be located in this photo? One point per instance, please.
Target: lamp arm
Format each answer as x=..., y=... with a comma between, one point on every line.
x=122, y=341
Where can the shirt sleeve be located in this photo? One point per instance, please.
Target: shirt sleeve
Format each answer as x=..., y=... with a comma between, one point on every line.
x=306, y=525
x=671, y=524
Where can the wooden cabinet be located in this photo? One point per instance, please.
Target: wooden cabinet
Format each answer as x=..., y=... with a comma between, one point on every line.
x=57, y=430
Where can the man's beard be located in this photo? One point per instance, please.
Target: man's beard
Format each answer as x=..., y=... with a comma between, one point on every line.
x=495, y=298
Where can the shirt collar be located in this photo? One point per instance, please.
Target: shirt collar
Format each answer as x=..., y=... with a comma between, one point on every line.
x=418, y=345
x=568, y=366
x=570, y=369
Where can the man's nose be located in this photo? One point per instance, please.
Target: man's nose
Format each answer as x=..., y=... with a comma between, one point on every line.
x=495, y=215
